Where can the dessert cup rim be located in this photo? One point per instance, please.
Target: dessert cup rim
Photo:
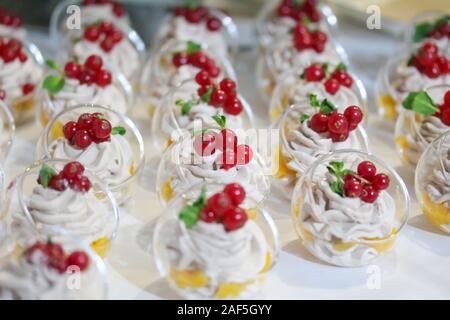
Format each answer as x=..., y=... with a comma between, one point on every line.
x=12, y=127
x=423, y=16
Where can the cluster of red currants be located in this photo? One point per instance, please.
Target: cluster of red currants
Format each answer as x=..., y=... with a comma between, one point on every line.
x=306, y=39
x=338, y=77
x=197, y=59
x=106, y=32
x=117, y=8
x=10, y=20
x=293, y=9
x=71, y=176
x=226, y=142
x=53, y=256
x=223, y=207
x=89, y=73
x=199, y=14
x=444, y=110
x=366, y=184
x=428, y=61
x=337, y=124
x=90, y=127
x=441, y=31
x=223, y=95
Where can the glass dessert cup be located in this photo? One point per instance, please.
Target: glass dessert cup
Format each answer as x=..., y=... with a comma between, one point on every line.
x=348, y=234
x=285, y=94
x=23, y=278
x=184, y=257
x=23, y=107
x=159, y=75
x=181, y=168
x=7, y=129
x=228, y=33
x=122, y=189
x=414, y=132
x=432, y=182
x=169, y=125
x=292, y=163
x=47, y=108
x=31, y=205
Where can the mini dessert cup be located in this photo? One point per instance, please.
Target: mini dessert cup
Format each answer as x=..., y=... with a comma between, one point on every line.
x=118, y=95
x=414, y=131
x=183, y=165
x=432, y=182
x=11, y=25
x=300, y=146
x=295, y=90
x=223, y=42
x=160, y=75
x=204, y=260
x=169, y=123
x=118, y=162
x=92, y=215
x=343, y=230
x=74, y=273
x=7, y=129
x=19, y=81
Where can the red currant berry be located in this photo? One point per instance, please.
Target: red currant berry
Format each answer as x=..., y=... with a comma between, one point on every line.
x=180, y=59
x=445, y=116
x=367, y=170
x=116, y=35
x=234, y=219
x=94, y=62
x=433, y=71
x=193, y=16
x=244, y=154
x=27, y=88
x=79, y=259
x=314, y=72
x=106, y=27
x=91, y=33
x=444, y=65
x=318, y=47
x=227, y=85
x=209, y=215
x=426, y=58
x=319, y=37
x=180, y=11
x=337, y=123
x=348, y=81
x=354, y=116
x=69, y=130
x=101, y=128
x=332, y=86
x=82, y=184
x=369, y=194
x=447, y=98
x=430, y=47
x=198, y=59
x=118, y=9
x=381, y=181
x=202, y=78
x=213, y=24
x=16, y=22
x=339, y=137
x=57, y=182
x=236, y=193
x=107, y=44
x=2, y=94
x=218, y=98
x=319, y=122
x=85, y=121
x=103, y=78
x=23, y=57
x=72, y=70
x=300, y=28
x=11, y=50
x=213, y=71
x=87, y=77
x=436, y=34
x=205, y=144
x=37, y=248
x=202, y=90
x=302, y=41
x=228, y=160
x=284, y=10
x=220, y=202
x=352, y=188
x=82, y=139
x=233, y=106
x=72, y=170
x=226, y=139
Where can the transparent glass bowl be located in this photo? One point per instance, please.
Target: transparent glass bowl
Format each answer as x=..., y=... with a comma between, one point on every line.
x=290, y=166
x=47, y=108
x=122, y=190
x=23, y=107
x=200, y=263
x=228, y=33
x=159, y=75
x=345, y=234
x=181, y=167
x=169, y=125
x=285, y=94
x=7, y=130
x=23, y=281
x=26, y=206
x=414, y=132
x=432, y=182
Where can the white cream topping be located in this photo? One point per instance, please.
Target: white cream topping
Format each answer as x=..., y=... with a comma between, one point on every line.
x=14, y=32
x=437, y=176
x=96, y=12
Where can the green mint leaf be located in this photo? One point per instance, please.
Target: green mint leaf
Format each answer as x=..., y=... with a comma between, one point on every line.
x=186, y=106
x=189, y=215
x=201, y=200
x=302, y=76
x=422, y=31
x=304, y=117
x=337, y=165
x=314, y=101
x=327, y=106
x=190, y=4
x=331, y=170
x=45, y=174
x=306, y=20
x=206, y=97
x=192, y=47
x=341, y=66
x=338, y=187
x=119, y=130
x=53, y=84
x=52, y=65
x=420, y=102
x=220, y=120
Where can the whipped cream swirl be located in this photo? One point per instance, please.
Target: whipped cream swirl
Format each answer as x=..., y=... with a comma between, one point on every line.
x=437, y=178
x=14, y=32
x=100, y=12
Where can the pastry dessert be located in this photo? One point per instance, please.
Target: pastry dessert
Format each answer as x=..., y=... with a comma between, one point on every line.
x=433, y=184
x=212, y=248
x=104, y=141
x=64, y=195
x=175, y=63
x=46, y=270
x=201, y=25
x=11, y=25
x=20, y=74
x=425, y=117
x=348, y=208
x=333, y=83
x=211, y=156
x=427, y=67
x=430, y=27
x=7, y=129
x=89, y=82
x=310, y=131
